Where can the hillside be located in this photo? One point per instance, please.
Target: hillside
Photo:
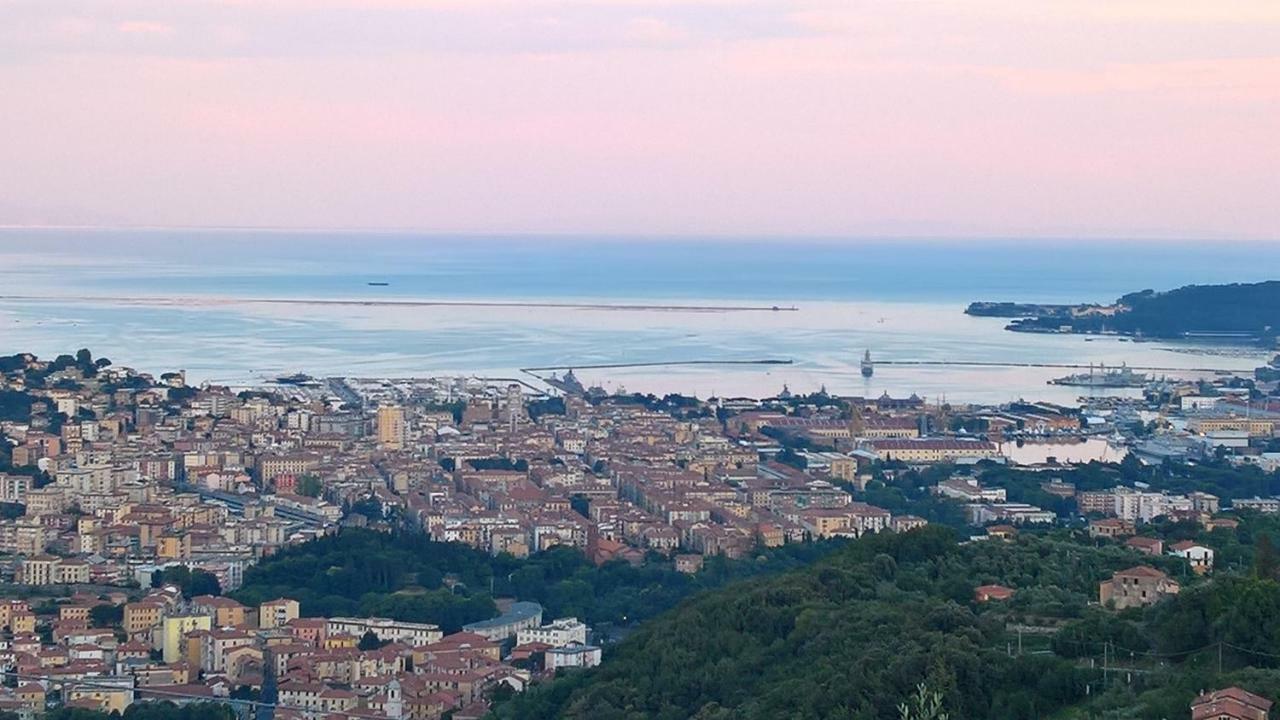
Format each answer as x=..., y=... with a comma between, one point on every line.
x=853, y=636
x=407, y=576
x=849, y=637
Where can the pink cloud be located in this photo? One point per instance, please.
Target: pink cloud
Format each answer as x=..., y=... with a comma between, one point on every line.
x=144, y=27
x=655, y=30
x=812, y=117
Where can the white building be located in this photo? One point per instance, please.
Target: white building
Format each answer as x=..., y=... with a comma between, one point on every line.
x=85, y=480
x=387, y=630
x=559, y=633
x=1144, y=507
x=14, y=487
x=969, y=490
x=1015, y=513
x=1268, y=461
x=574, y=656
x=1233, y=439
x=1263, y=505
x=1198, y=402
x=1199, y=556
x=520, y=616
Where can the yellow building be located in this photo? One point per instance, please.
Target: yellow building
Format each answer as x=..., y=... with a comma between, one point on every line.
x=22, y=623
x=1256, y=427
x=272, y=466
x=337, y=642
x=225, y=611
x=9, y=608
x=72, y=571
x=277, y=613
x=933, y=450
x=141, y=616
x=73, y=612
x=32, y=696
x=844, y=468
x=826, y=522
x=391, y=428
x=39, y=570
x=173, y=631
x=173, y=546
x=108, y=694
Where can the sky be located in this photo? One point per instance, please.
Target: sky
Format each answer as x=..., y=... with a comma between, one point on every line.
x=841, y=118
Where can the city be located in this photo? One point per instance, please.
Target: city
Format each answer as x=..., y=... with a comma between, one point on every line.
x=639, y=360
x=137, y=509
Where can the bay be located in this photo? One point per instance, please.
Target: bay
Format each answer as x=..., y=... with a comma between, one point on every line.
x=193, y=299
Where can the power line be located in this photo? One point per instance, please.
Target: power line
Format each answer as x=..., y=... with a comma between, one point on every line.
x=1146, y=653
x=1219, y=645
x=1250, y=651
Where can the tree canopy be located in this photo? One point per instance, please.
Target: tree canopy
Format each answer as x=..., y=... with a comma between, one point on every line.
x=403, y=576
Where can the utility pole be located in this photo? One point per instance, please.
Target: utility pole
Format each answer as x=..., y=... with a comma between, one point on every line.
x=1105, y=645
x=1219, y=657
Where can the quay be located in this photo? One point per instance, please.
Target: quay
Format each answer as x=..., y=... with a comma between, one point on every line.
x=1065, y=366
x=660, y=363
x=570, y=385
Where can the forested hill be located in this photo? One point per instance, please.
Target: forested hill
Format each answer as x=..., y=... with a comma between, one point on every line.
x=854, y=636
x=849, y=637
x=409, y=577
x=1238, y=307
x=1252, y=309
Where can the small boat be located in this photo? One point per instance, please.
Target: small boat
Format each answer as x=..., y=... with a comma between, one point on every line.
x=379, y=284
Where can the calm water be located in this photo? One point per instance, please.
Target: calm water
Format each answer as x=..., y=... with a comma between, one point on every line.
x=183, y=299
x=1064, y=451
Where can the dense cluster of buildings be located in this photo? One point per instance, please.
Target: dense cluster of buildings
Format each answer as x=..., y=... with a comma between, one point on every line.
x=105, y=652
x=110, y=475
x=464, y=460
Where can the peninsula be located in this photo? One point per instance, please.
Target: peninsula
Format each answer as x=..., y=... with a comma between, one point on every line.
x=1242, y=312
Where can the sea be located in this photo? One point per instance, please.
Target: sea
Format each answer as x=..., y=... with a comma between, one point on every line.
x=241, y=307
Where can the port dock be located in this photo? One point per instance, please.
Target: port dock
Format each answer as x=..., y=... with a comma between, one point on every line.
x=572, y=386
x=1062, y=366
x=660, y=363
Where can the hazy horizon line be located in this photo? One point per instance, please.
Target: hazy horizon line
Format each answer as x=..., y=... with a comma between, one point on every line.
x=622, y=236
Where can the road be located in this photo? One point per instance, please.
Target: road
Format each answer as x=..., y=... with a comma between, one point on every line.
x=236, y=504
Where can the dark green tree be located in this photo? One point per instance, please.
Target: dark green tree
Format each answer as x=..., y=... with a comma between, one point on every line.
x=106, y=615
x=1265, y=562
